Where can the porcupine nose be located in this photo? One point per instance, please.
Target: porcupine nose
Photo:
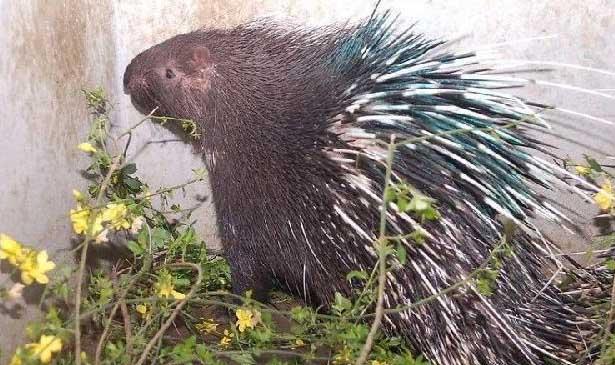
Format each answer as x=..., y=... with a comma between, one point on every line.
x=131, y=80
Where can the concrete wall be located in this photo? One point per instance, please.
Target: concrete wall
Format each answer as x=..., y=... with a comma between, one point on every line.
x=49, y=50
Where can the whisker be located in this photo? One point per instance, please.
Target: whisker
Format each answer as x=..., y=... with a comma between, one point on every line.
x=573, y=88
x=587, y=116
x=522, y=40
x=560, y=64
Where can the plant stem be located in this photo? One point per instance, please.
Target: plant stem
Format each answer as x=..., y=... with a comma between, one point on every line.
x=382, y=252
x=171, y=318
x=121, y=302
x=129, y=130
x=84, y=252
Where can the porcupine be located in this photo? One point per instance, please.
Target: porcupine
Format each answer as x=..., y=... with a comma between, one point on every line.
x=294, y=126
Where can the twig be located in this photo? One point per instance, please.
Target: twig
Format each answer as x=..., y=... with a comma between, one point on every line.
x=104, y=334
x=547, y=284
x=162, y=191
x=84, y=252
x=171, y=318
x=125, y=316
x=382, y=246
x=453, y=287
x=145, y=119
x=368, y=285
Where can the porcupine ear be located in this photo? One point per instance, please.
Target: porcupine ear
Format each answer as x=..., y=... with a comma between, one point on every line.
x=198, y=60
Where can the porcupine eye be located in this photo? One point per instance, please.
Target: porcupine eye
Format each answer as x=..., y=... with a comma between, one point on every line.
x=170, y=74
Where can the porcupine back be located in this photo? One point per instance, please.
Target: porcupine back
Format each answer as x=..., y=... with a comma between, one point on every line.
x=417, y=89
x=295, y=124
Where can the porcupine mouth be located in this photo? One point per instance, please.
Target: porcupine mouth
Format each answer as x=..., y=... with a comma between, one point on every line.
x=143, y=100
x=145, y=105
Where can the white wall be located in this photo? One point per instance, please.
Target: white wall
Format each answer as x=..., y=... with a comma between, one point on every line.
x=50, y=50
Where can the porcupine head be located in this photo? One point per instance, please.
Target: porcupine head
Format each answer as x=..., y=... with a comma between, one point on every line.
x=291, y=123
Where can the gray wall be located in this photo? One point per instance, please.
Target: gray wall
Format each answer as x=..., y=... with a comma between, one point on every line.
x=49, y=50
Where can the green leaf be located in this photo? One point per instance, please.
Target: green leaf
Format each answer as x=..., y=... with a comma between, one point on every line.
x=143, y=237
x=419, y=203
x=205, y=356
x=418, y=236
x=486, y=280
x=355, y=274
x=301, y=314
x=184, y=351
x=135, y=248
x=132, y=183
x=390, y=194
x=129, y=169
x=200, y=173
x=430, y=214
x=342, y=304
x=160, y=237
x=593, y=164
x=262, y=335
x=401, y=253
x=484, y=287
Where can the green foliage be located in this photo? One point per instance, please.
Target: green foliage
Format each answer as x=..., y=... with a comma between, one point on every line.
x=409, y=199
x=166, y=298
x=166, y=266
x=187, y=125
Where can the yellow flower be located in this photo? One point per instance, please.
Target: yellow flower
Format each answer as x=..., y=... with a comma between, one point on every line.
x=78, y=195
x=165, y=287
x=582, y=170
x=86, y=147
x=207, y=326
x=80, y=218
x=116, y=214
x=45, y=348
x=166, y=290
x=226, y=340
x=141, y=309
x=605, y=197
x=146, y=194
x=244, y=319
x=144, y=311
x=377, y=362
x=16, y=359
x=35, y=268
x=12, y=250
x=298, y=343
x=343, y=357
